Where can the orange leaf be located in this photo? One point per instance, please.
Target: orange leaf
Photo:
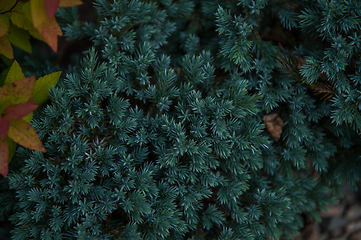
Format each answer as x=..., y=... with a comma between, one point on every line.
x=4, y=157
x=38, y=12
x=17, y=111
x=5, y=47
x=51, y=7
x=21, y=90
x=69, y=3
x=50, y=30
x=4, y=127
x=24, y=134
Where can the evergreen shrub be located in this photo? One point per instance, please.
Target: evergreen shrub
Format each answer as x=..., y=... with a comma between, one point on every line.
x=203, y=119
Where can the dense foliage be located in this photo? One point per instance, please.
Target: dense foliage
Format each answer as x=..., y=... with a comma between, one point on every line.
x=160, y=133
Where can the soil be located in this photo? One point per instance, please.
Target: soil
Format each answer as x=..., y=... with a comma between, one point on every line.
x=340, y=222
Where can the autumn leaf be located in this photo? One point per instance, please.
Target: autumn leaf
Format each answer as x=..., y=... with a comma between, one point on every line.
x=19, y=38
x=6, y=5
x=24, y=134
x=38, y=12
x=4, y=25
x=21, y=17
x=69, y=3
x=4, y=156
x=12, y=147
x=17, y=111
x=15, y=73
x=28, y=117
x=42, y=85
x=35, y=16
x=50, y=30
x=17, y=92
x=6, y=49
x=51, y=6
x=4, y=127
x=274, y=125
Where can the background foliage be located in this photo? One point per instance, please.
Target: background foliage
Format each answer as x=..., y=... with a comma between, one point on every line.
x=160, y=133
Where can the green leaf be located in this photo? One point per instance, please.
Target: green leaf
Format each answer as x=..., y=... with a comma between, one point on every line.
x=3, y=75
x=5, y=47
x=12, y=147
x=21, y=17
x=42, y=86
x=24, y=134
x=6, y=5
x=15, y=73
x=28, y=117
x=4, y=25
x=20, y=38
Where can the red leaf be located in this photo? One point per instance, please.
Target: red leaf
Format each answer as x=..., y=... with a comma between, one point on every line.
x=51, y=7
x=20, y=110
x=50, y=30
x=4, y=157
x=4, y=127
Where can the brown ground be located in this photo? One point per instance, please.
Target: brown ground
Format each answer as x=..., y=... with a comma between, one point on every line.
x=340, y=222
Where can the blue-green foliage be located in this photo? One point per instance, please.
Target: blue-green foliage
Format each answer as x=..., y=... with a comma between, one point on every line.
x=159, y=135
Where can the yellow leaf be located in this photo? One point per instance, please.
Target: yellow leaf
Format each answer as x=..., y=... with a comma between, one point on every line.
x=4, y=25
x=42, y=86
x=5, y=47
x=38, y=12
x=20, y=38
x=24, y=134
x=69, y=3
x=28, y=117
x=4, y=157
x=15, y=73
x=50, y=30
